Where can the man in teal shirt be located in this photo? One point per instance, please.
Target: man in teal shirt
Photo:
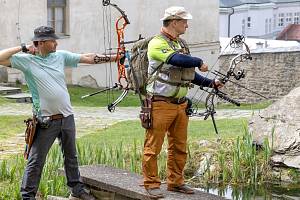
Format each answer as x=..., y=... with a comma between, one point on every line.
x=43, y=68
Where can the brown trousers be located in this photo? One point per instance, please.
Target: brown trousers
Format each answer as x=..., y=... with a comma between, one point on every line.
x=172, y=120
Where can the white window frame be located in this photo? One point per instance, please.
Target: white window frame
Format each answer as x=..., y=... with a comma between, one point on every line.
x=248, y=22
x=268, y=25
x=243, y=26
x=296, y=18
x=54, y=9
x=280, y=19
x=274, y=21
x=289, y=17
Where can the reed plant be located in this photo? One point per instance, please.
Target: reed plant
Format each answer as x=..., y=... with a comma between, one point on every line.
x=240, y=163
x=120, y=156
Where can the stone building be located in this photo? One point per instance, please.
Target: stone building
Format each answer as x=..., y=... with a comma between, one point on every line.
x=87, y=26
x=259, y=18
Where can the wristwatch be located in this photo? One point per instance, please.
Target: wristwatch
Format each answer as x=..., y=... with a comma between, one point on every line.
x=24, y=48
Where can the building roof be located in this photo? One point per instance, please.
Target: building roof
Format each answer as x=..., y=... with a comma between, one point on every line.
x=290, y=32
x=234, y=3
x=257, y=45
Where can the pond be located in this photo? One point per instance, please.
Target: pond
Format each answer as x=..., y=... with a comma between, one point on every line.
x=266, y=191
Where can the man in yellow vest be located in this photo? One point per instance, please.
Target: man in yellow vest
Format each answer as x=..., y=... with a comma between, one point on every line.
x=174, y=70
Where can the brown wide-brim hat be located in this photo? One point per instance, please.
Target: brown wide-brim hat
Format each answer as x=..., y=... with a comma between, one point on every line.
x=44, y=33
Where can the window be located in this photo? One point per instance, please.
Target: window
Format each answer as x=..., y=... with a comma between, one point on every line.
x=281, y=19
x=243, y=26
x=296, y=18
x=249, y=22
x=266, y=26
x=289, y=18
x=56, y=10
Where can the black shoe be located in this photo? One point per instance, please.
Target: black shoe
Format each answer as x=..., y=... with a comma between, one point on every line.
x=154, y=193
x=82, y=196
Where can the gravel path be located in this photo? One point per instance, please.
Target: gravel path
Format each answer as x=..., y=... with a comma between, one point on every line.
x=89, y=118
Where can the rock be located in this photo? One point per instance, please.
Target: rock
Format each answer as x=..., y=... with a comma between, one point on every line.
x=283, y=119
x=88, y=81
x=204, y=164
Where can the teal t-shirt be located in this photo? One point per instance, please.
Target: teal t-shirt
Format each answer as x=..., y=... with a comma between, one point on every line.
x=45, y=78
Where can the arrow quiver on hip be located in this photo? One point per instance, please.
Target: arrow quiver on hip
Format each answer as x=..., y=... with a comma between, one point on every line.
x=29, y=134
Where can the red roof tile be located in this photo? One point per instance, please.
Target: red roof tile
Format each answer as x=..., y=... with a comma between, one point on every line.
x=290, y=32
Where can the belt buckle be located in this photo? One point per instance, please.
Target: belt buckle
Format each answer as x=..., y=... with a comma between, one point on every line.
x=180, y=100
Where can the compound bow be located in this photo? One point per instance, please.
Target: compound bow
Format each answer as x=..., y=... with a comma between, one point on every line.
x=122, y=54
x=237, y=41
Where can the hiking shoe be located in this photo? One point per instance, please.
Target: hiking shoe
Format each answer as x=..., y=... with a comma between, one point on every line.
x=154, y=193
x=82, y=196
x=182, y=189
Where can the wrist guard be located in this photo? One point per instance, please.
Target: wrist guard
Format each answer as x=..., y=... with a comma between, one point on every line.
x=98, y=59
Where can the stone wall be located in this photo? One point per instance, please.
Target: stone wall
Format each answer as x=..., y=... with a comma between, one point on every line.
x=272, y=74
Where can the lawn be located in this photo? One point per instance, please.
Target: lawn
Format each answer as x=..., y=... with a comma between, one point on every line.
x=131, y=100
x=129, y=131
x=11, y=126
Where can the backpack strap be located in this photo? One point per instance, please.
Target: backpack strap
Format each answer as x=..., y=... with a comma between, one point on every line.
x=152, y=78
x=182, y=44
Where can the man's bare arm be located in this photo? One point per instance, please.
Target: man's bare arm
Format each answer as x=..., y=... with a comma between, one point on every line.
x=92, y=58
x=6, y=54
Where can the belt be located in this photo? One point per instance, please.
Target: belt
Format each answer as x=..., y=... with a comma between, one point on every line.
x=56, y=117
x=169, y=99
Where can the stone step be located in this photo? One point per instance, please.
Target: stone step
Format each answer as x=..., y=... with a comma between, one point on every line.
x=9, y=90
x=111, y=183
x=20, y=97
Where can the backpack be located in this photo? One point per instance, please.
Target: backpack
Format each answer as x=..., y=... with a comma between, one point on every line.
x=137, y=73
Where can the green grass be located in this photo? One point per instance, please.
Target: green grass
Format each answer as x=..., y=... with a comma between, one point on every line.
x=11, y=125
x=129, y=131
x=245, y=106
x=132, y=99
x=101, y=99
x=4, y=101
